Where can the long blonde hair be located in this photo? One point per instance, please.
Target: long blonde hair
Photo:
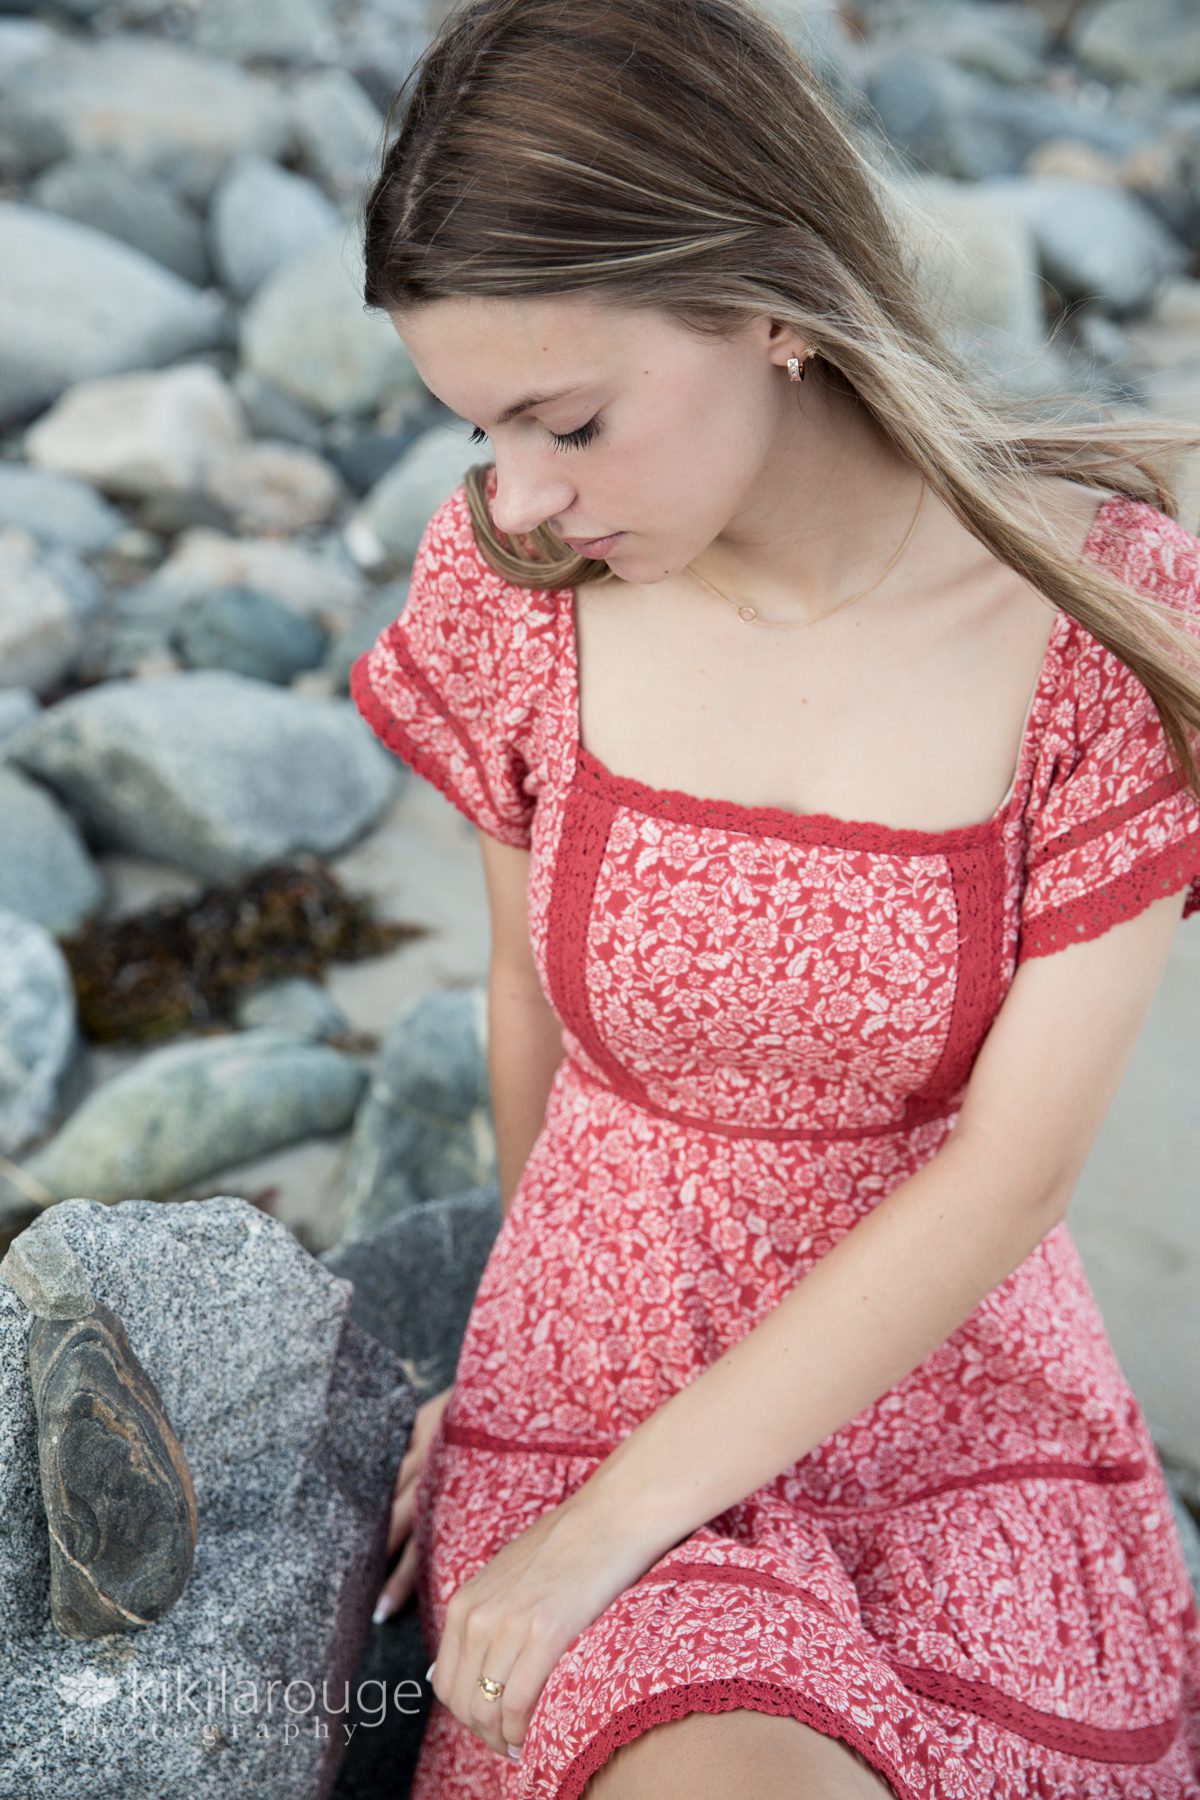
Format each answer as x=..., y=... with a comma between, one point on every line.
x=680, y=155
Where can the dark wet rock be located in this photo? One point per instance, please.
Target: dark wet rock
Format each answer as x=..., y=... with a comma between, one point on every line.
x=250, y=633
x=415, y=1276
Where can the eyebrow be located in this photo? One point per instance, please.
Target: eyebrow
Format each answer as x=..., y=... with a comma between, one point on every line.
x=530, y=402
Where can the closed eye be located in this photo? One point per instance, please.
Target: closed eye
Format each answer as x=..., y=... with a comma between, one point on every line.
x=574, y=440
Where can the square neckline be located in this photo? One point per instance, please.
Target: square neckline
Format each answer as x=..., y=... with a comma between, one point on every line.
x=739, y=816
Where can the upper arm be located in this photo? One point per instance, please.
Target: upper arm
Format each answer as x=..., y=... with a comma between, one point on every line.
x=1057, y=1049
x=506, y=874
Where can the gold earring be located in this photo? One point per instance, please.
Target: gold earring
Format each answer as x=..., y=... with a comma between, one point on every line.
x=796, y=368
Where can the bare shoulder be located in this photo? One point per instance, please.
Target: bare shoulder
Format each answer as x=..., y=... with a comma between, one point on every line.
x=1075, y=504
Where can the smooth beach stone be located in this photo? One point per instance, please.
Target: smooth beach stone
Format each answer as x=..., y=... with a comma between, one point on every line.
x=116, y=1485
x=44, y=1270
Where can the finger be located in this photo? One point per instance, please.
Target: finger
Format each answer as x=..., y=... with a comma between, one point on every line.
x=487, y=1715
x=399, y=1585
x=400, y=1521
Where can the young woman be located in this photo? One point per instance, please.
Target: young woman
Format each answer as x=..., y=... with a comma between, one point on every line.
x=838, y=808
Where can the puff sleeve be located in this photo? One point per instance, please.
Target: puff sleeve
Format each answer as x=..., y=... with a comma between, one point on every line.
x=444, y=686
x=1113, y=826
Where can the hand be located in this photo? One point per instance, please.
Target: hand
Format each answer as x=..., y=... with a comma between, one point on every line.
x=399, y=1584
x=516, y=1615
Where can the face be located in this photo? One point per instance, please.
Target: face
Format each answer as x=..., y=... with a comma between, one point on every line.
x=673, y=440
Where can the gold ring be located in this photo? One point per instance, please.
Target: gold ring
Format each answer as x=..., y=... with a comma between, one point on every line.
x=493, y=1689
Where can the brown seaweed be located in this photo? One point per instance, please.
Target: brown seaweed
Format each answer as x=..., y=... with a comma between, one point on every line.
x=181, y=964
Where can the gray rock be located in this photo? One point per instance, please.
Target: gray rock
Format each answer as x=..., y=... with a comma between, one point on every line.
x=415, y=1277
x=102, y=192
x=211, y=771
x=299, y=1006
x=340, y=131
x=425, y=1126
x=306, y=332
x=976, y=265
x=141, y=434
x=1094, y=242
x=183, y=1113
x=53, y=882
x=1155, y=43
x=38, y=1035
x=953, y=122
x=75, y=304
x=275, y=30
x=361, y=632
x=274, y=414
x=17, y=707
x=294, y=1422
x=260, y=216
x=386, y=527
x=277, y=488
x=310, y=579
x=57, y=509
x=23, y=39
x=1005, y=41
x=45, y=598
x=249, y=633
x=163, y=110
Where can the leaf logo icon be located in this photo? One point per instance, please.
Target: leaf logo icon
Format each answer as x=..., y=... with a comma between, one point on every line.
x=88, y=1688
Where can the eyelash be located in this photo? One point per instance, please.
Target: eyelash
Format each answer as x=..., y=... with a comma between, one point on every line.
x=574, y=440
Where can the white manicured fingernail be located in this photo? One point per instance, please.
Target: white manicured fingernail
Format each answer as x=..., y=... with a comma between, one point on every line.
x=383, y=1609
x=429, y=1671
x=514, y=1753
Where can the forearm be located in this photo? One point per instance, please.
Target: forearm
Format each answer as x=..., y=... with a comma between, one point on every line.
x=524, y=1050
x=894, y=1288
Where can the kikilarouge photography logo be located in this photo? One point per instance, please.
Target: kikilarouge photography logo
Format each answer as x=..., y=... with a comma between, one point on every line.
x=222, y=1706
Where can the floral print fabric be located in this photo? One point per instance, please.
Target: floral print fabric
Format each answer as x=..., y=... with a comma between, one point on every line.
x=769, y=1022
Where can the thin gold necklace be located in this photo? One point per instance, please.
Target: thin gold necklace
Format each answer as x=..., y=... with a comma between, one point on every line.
x=749, y=615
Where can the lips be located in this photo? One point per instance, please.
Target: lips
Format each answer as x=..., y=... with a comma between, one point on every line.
x=585, y=546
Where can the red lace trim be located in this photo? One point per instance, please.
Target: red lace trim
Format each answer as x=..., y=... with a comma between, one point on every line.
x=978, y=877
x=1099, y=1743
x=1089, y=916
x=1087, y=829
x=726, y=1695
x=1129, y=1469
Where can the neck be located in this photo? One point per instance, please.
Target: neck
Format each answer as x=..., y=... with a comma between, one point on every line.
x=827, y=509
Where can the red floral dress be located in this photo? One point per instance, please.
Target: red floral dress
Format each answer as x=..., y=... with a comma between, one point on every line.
x=769, y=1021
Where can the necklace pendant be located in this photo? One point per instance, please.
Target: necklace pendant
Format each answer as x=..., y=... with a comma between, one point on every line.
x=747, y=613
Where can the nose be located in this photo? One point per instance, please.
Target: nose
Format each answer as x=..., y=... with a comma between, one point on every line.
x=527, y=496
